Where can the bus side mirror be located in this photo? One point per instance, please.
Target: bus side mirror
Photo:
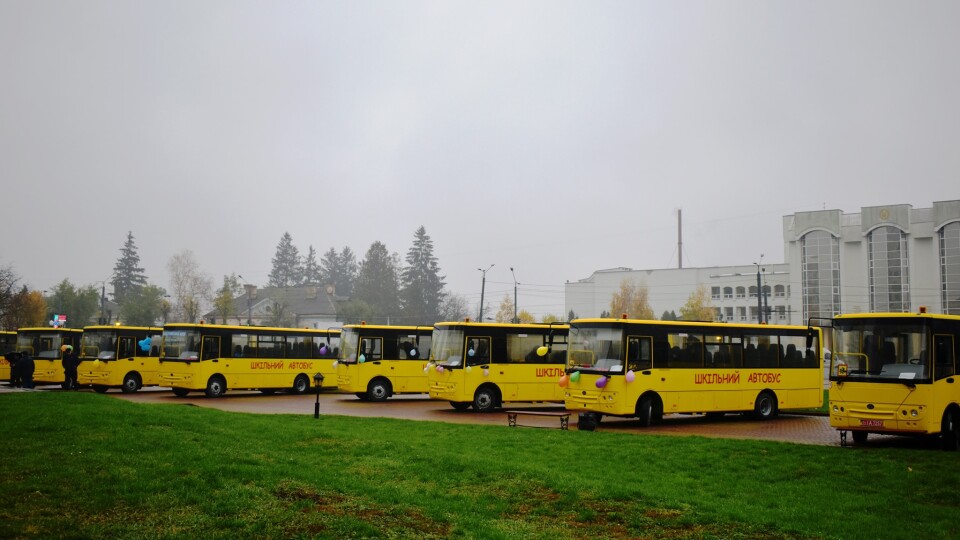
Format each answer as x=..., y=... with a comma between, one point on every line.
x=809, y=338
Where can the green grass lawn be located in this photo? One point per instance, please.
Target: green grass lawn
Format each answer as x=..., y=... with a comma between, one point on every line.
x=82, y=465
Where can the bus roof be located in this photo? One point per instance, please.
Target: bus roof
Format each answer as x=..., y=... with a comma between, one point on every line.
x=709, y=324
x=898, y=316
x=389, y=326
x=252, y=328
x=446, y=324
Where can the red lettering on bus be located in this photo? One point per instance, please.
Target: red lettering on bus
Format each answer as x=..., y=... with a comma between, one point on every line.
x=766, y=378
x=717, y=378
x=549, y=372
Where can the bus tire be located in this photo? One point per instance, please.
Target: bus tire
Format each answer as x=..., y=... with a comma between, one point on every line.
x=180, y=392
x=362, y=396
x=100, y=389
x=950, y=430
x=859, y=437
x=461, y=405
x=379, y=390
x=649, y=410
x=765, y=407
x=268, y=391
x=486, y=399
x=588, y=421
x=131, y=383
x=301, y=384
x=216, y=387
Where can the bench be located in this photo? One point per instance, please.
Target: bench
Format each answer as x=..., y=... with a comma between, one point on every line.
x=562, y=415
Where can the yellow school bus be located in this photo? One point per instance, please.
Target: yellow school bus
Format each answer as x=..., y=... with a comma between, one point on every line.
x=214, y=358
x=8, y=344
x=645, y=369
x=44, y=345
x=124, y=357
x=896, y=373
x=379, y=361
x=484, y=365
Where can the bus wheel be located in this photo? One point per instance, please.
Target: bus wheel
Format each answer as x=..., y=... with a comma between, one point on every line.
x=950, y=431
x=859, y=437
x=765, y=407
x=362, y=396
x=649, y=410
x=460, y=405
x=268, y=391
x=486, y=399
x=100, y=389
x=216, y=386
x=180, y=392
x=131, y=383
x=301, y=384
x=588, y=421
x=378, y=390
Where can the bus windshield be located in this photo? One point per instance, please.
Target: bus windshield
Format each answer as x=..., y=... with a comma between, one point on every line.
x=42, y=345
x=595, y=348
x=98, y=344
x=879, y=350
x=447, y=347
x=181, y=344
x=349, y=341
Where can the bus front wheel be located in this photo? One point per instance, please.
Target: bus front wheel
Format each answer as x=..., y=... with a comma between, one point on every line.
x=100, y=389
x=486, y=400
x=216, y=386
x=131, y=383
x=378, y=390
x=950, y=431
x=859, y=437
x=460, y=405
x=649, y=410
x=765, y=407
x=180, y=392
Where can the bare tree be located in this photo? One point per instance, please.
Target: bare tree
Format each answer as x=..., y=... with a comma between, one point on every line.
x=191, y=288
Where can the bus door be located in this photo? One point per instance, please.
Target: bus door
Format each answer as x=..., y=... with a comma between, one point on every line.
x=944, y=369
x=211, y=348
x=126, y=348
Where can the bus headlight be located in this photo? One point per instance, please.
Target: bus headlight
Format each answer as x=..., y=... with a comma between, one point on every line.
x=913, y=413
x=836, y=409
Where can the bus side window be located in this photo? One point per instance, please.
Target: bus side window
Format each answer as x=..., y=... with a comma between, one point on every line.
x=943, y=356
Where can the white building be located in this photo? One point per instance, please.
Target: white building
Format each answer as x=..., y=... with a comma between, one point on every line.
x=885, y=258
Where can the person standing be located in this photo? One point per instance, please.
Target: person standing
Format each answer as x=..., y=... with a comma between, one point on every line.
x=70, y=364
x=25, y=368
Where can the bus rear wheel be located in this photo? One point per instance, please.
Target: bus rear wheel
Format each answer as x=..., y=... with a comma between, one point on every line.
x=460, y=405
x=216, y=387
x=100, y=389
x=301, y=384
x=950, y=431
x=765, y=407
x=180, y=392
x=378, y=390
x=131, y=383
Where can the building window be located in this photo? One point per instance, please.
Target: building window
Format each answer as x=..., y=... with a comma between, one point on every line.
x=728, y=292
x=781, y=312
x=950, y=268
x=742, y=313
x=820, y=274
x=741, y=292
x=779, y=291
x=753, y=291
x=715, y=293
x=729, y=313
x=889, y=270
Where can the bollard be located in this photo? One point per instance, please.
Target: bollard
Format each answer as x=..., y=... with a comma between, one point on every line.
x=317, y=380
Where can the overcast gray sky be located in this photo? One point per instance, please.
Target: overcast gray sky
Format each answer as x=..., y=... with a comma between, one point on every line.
x=554, y=137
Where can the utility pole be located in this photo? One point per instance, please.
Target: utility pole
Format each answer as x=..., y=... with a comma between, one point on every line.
x=483, y=286
x=515, y=318
x=759, y=293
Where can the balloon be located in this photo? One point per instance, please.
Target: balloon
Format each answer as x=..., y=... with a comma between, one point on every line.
x=413, y=352
x=630, y=376
x=470, y=352
x=63, y=348
x=564, y=381
x=601, y=382
x=439, y=369
x=575, y=376
x=144, y=344
x=362, y=359
x=469, y=369
x=335, y=363
x=96, y=363
x=426, y=369
x=486, y=372
x=323, y=349
x=542, y=350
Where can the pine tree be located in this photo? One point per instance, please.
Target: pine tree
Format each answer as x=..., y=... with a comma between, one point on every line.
x=377, y=284
x=421, y=292
x=339, y=270
x=128, y=277
x=287, y=267
x=311, y=269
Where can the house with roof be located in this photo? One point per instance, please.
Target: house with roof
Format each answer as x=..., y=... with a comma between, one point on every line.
x=308, y=306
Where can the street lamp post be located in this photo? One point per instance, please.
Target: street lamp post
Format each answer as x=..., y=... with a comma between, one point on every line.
x=317, y=381
x=515, y=318
x=483, y=286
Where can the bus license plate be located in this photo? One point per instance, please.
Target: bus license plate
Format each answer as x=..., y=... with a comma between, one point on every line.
x=871, y=423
